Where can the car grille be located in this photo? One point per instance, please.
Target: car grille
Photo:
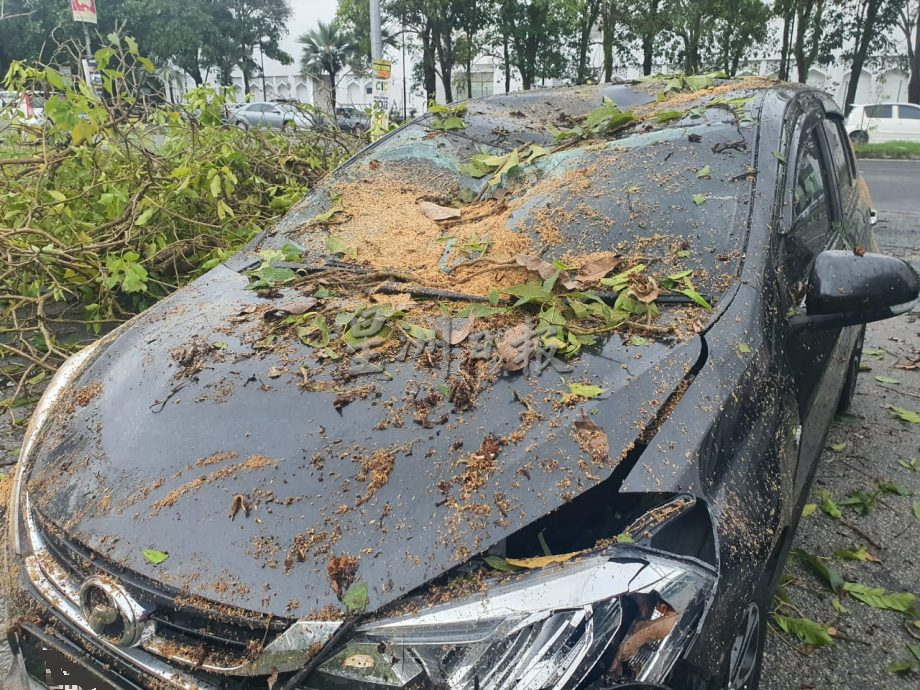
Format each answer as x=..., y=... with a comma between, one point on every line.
x=210, y=644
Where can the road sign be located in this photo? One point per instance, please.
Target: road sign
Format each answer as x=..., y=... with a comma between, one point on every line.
x=84, y=11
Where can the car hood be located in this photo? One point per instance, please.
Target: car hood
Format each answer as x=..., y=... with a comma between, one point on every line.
x=259, y=478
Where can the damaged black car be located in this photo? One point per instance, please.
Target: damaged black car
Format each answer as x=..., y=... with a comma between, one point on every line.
x=528, y=395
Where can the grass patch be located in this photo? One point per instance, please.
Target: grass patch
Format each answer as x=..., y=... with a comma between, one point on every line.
x=889, y=149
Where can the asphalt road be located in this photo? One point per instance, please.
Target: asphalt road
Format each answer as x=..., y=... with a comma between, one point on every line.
x=895, y=184
x=868, y=640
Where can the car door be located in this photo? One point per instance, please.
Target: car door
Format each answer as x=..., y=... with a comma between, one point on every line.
x=816, y=359
x=880, y=122
x=908, y=122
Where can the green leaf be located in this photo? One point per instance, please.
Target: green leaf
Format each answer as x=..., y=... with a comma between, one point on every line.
x=638, y=341
x=916, y=509
x=838, y=447
x=901, y=666
x=874, y=353
x=887, y=379
x=528, y=293
x=705, y=171
x=891, y=488
x=809, y=509
x=355, y=598
x=838, y=607
x=154, y=556
x=666, y=116
x=829, y=506
x=860, y=553
x=807, y=630
x=744, y=348
x=914, y=648
x=909, y=464
x=904, y=414
x=335, y=245
x=215, y=186
x=588, y=392
x=144, y=217
x=860, y=501
x=696, y=297
x=699, y=199
x=780, y=157
x=879, y=598
x=831, y=577
x=624, y=538
x=500, y=564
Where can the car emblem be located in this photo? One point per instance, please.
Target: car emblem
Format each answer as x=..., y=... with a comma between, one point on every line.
x=111, y=612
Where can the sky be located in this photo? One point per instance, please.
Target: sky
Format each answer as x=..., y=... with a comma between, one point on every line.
x=305, y=15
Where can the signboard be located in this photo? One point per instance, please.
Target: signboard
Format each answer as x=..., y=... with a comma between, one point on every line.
x=383, y=71
x=84, y=11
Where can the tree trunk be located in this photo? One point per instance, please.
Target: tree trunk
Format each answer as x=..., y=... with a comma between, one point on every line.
x=246, y=89
x=506, y=56
x=648, y=47
x=913, y=86
x=608, y=24
x=469, y=64
x=333, y=80
x=862, y=50
x=592, y=8
x=444, y=48
x=788, y=24
x=428, y=71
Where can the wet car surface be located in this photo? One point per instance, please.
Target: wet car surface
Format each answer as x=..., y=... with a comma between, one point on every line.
x=532, y=400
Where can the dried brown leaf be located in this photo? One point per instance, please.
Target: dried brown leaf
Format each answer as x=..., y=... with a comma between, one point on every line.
x=460, y=329
x=436, y=212
x=537, y=265
x=512, y=354
x=643, y=288
x=592, y=438
x=594, y=270
x=239, y=503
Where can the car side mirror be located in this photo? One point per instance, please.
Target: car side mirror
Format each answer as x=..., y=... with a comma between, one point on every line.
x=846, y=289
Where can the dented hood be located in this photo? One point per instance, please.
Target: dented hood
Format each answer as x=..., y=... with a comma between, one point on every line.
x=181, y=437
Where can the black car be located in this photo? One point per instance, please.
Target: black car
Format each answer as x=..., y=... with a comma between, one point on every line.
x=528, y=394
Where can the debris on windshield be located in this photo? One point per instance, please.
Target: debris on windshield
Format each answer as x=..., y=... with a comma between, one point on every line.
x=342, y=571
x=436, y=212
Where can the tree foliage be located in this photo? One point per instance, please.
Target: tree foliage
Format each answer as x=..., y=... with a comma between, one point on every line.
x=194, y=35
x=112, y=205
x=327, y=51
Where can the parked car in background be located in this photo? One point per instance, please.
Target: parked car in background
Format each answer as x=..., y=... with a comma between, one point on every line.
x=351, y=118
x=279, y=116
x=884, y=122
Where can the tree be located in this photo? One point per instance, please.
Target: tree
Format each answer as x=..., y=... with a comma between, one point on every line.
x=472, y=20
x=739, y=26
x=327, y=50
x=646, y=20
x=809, y=32
x=910, y=25
x=863, y=26
x=587, y=13
x=257, y=23
x=613, y=20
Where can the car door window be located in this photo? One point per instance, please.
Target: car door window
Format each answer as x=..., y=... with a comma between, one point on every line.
x=841, y=153
x=811, y=217
x=909, y=112
x=880, y=112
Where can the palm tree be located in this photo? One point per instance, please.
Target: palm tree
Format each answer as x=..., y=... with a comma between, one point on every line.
x=326, y=51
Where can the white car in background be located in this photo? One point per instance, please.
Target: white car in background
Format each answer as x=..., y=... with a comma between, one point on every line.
x=884, y=122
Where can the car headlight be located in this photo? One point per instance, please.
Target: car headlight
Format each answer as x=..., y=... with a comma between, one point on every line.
x=626, y=613
x=66, y=374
